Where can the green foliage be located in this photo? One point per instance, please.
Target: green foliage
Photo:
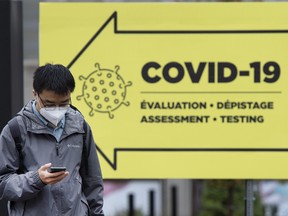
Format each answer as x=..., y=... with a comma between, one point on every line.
x=226, y=198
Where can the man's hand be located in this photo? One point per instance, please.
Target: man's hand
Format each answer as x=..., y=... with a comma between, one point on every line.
x=51, y=178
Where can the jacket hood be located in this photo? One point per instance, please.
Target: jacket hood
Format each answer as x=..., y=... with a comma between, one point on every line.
x=73, y=120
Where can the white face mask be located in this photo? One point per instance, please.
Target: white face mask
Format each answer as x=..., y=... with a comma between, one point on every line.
x=54, y=115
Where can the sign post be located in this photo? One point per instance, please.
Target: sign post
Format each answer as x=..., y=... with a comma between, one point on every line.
x=249, y=198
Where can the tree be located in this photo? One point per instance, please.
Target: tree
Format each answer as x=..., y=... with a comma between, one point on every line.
x=226, y=198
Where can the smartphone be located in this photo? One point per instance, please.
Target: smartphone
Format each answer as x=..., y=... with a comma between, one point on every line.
x=56, y=169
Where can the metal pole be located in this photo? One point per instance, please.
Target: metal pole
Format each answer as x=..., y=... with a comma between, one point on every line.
x=131, y=209
x=151, y=203
x=11, y=61
x=174, y=207
x=164, y=194
x=249, y=198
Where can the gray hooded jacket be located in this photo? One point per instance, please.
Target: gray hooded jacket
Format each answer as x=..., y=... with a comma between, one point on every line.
x=76, y=195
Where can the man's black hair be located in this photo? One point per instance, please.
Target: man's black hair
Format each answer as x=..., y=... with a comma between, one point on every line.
x=53, y=77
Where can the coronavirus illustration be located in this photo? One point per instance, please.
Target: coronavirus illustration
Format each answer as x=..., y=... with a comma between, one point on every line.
x=104, y=90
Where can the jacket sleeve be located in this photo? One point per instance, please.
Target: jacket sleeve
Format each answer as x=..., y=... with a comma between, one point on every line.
x=92, y=177
x=13, y=186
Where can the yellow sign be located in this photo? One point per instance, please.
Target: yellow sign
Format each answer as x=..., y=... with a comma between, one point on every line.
x=177, y=90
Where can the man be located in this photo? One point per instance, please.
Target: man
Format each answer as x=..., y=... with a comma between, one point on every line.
x=52, y=134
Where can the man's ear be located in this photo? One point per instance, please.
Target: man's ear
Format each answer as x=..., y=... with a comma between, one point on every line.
x=34, y=93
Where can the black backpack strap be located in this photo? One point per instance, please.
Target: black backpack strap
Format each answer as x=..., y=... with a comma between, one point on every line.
x=84, y=159
x=16, y=134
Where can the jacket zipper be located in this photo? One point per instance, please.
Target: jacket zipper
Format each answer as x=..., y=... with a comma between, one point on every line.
x=57, y=148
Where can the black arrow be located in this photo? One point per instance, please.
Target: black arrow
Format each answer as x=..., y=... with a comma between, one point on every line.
x=114, y=17
x=113, y=163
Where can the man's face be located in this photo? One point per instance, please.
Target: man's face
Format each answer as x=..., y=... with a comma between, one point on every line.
x=51, y=99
